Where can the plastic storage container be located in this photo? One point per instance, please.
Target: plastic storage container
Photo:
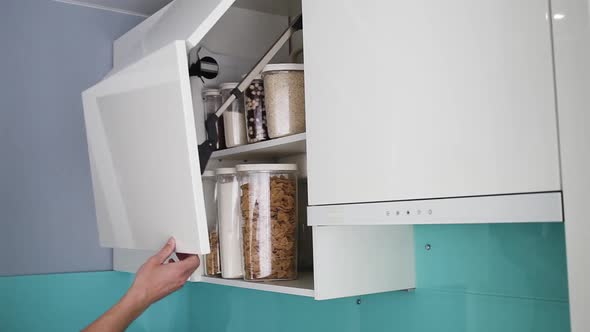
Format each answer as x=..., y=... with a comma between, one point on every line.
x=234, y=122
x=255, y=112
x=212, y=261
x=212, y=102
x=284, y=99
x=228, y=207
x=268, y=207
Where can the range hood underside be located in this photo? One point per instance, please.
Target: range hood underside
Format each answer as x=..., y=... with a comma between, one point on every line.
x=512, y=208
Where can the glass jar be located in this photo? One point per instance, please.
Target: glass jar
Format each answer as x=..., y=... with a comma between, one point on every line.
x=268, y=206
x=212, y=102
x=255, y=111
x=228, y=210
x=212, y=261
x=234, y=121
x=284, y=99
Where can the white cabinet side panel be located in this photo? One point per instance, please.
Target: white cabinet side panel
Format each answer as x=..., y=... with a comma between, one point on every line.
x=571, y=31
x=425, y=99
x=358, y=260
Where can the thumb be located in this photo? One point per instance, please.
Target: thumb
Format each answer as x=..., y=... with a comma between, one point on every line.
x=166, y=251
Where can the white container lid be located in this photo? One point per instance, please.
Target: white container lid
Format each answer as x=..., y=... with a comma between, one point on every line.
x=225, y=171
x=282, y=67
x=210, y=92
x=266, y=167
x=208, y=173
x=228, y=85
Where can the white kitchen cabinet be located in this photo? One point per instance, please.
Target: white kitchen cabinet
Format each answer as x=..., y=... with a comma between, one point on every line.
x=406, y=104
x=143, y=150
x=428, y=99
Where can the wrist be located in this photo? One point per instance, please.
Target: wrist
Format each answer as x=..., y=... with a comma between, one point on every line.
x=137, y=298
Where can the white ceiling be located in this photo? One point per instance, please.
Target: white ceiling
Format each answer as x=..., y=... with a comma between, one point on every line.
x=138, y=7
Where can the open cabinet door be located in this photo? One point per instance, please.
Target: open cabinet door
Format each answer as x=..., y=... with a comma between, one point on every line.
x=144, y=155
x=186, y=20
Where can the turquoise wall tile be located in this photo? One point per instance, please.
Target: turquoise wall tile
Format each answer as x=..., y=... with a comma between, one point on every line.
x=57, y=302
x=219, y=309
x=172, y=313
x=476, y=278
x=439, y=311
x=69, y=302
x=522, y=260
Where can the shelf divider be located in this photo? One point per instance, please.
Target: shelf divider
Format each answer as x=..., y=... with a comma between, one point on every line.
x=274, y=148
x=302, y=286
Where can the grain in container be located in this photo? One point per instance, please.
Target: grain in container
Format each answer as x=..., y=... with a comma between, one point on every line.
x=284, y=99
x=234, y=122
x=212, y=260
x=228, y=210
x=255, y=111
x=268, y=206
x=212, y=102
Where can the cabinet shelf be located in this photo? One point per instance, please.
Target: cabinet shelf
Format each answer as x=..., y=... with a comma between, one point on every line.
x=274, y=148
x=303, y=286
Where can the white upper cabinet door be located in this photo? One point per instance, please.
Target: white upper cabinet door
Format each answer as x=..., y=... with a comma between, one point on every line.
x=187, y=20
x=428, y=98
x=144, y=155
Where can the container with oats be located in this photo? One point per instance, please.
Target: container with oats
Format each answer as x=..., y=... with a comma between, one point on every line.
x=284, y=98
x=212, y=263
x=268, y=206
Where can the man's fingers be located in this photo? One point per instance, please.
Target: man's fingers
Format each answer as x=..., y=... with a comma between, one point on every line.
x=166, y=251
x=189, y=264
x=182, y=256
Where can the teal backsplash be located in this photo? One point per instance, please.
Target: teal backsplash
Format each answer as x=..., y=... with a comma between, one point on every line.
x=480, y=278
x=514, y=260
x=68, y=302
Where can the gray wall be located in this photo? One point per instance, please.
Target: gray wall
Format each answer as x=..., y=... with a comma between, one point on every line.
x=50, y=52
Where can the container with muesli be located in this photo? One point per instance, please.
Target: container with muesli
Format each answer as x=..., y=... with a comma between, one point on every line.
x=268, y=207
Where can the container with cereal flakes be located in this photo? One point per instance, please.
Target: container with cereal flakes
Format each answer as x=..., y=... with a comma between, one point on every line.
x=268, y=207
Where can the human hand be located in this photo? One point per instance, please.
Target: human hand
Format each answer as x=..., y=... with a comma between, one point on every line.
x=155, y=279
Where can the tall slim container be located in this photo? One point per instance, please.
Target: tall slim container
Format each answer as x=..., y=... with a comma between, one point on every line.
x=228, y=210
